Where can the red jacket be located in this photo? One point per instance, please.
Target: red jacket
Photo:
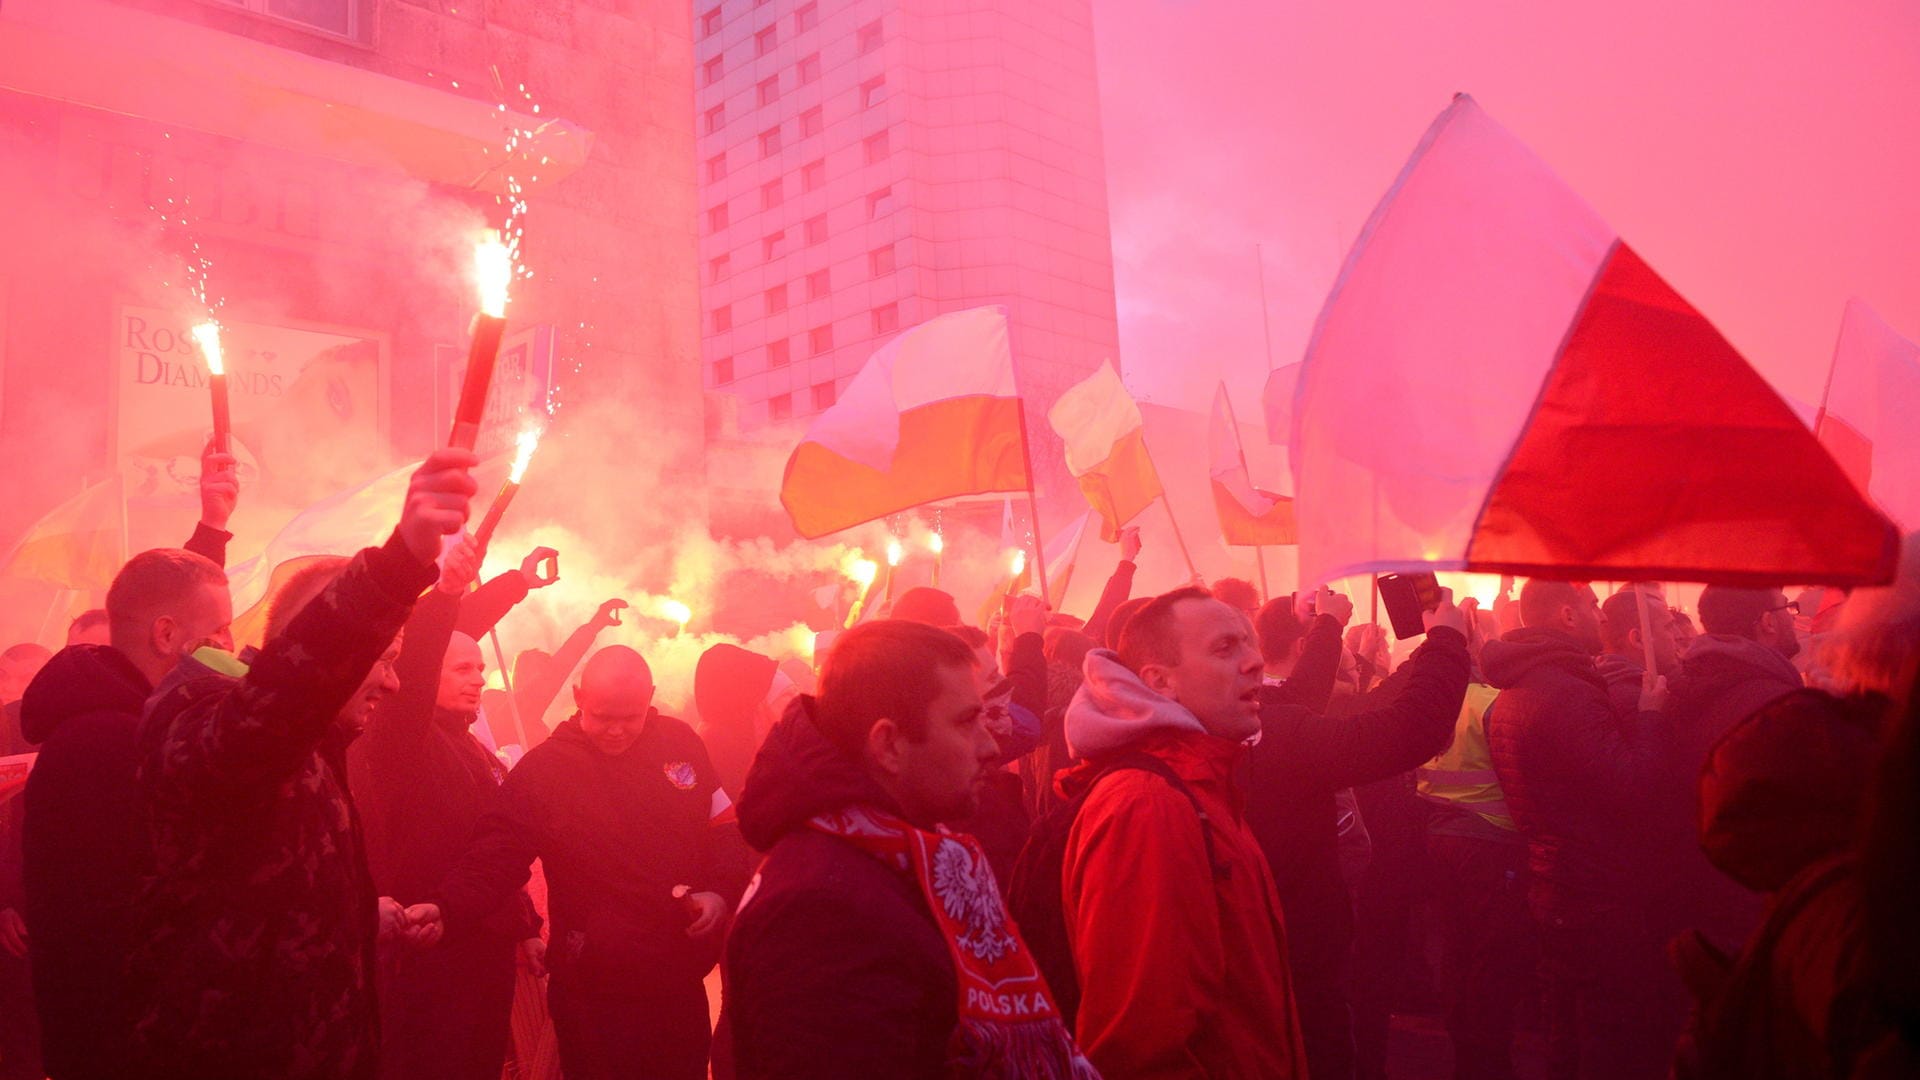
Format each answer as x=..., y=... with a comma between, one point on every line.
x=1183, y=973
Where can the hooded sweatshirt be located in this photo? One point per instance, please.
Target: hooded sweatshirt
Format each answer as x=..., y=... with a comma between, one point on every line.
x=1579, y=780
x=1182, y=962
x=834, y=966
x=82, y=852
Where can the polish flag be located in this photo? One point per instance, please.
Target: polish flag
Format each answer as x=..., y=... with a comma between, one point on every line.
x=1498, y=383
x=1106, y=452
x=1871, y=419
x=933, y=414
x=1248, y=516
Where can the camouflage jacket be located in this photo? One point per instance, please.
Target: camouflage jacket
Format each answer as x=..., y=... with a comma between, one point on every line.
x=256, y=930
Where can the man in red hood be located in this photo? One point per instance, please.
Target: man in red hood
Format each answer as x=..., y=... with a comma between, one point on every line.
x=1176, y=929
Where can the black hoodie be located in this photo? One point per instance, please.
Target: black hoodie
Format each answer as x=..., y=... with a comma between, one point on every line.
x=82, y=852
x=1581, y=781
x=834, y=966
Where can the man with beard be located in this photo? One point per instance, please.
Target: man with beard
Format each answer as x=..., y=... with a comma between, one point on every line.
x=257, y=926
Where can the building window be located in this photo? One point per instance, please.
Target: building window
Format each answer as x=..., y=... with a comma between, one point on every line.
x=812, y=122
x=773, y=244
x=870, y=37
x=337, y=17
x=819, y=339
x=714, y=68
x=813, y=174
x=718, y=267
x=776, y=299
x=772, y=193
x=723, y=318
x=777, y=354
x=817, y=229
x=809, y=68
x=873, y=92
x=878, y=147
x=880, y=261
x=886, y=318
x=717, y=217
x=806, y=18
x=880, y=202
x=823, y=396
x=716, y=118
x=723, y=370
x=769, y=90
x=780, y=408
x=717, y=167
x=818, y=285
x=770, y=142
x=710, y=23
x=765, y=40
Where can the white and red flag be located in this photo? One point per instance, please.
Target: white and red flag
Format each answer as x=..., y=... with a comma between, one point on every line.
x=1870, y=421
x=933, y=414
x=1497, y=382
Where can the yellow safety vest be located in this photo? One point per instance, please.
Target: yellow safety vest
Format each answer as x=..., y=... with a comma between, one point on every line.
x=1462, y=776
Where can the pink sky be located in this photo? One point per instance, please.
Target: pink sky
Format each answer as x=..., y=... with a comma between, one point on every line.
x=1763, y=156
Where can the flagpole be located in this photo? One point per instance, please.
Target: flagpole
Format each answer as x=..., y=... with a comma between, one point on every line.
x=1833, y=366
x=1266, y=321
x=1192, y=570
x=506, y=680
x=1259, y=550
x=1033, y=501
x=1266, y=330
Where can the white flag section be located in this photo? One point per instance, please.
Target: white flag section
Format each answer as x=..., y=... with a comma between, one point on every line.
x=949, y=356
x=1871, y=421
x=1430, y=352
x=933, y=414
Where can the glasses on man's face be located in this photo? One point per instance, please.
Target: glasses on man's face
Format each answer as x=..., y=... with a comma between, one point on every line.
x=1791, y=605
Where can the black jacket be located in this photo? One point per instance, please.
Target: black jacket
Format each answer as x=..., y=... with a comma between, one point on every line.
x=255, y=932
x=82, y=851
x=615, y=836
x=834, y=966
x=1579, y=779
x=1305, y=756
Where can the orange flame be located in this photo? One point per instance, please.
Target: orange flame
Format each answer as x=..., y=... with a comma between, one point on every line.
x=207, y=336
x=526, y=443
x=493, y=271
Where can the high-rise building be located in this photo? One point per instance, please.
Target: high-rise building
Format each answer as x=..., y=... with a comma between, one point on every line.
x=865, y=165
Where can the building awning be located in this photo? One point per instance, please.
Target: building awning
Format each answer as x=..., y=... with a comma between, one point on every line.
x=176, y=72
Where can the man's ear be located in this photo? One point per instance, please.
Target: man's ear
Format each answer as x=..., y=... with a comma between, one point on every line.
x=163, y=636
x=884, y=747
x=1156, y=676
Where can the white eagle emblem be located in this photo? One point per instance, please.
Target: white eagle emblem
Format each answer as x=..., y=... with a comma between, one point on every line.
x=967, y=892
x=681, y=775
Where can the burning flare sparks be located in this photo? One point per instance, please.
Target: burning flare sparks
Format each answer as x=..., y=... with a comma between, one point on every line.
x=936, y=543
x=207, y=336
x=1019, y=562
x=860, y=569
x=493, y=272
x=676, y=611
x=527, y=442
x=895, y=553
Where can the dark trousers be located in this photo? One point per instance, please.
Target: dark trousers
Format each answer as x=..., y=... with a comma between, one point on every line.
x=445, y=1011
x=19, y=1023
x=1489, y=948
x=1615, y=1007
x=1326, y=1020
x=653, y=1032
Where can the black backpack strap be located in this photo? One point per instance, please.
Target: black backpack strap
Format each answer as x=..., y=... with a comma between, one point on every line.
x=1134, y=759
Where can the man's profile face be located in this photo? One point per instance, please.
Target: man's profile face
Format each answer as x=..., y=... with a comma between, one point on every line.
x=463, y=675
x=1218, y=677
x=939, y=776
x=380, y=682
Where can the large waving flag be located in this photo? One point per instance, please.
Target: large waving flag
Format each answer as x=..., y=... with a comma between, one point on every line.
x=1106, y=451
x=79, y=544
x=1871, y=419
x=1249, y=517
x=1498, y=383
x=933, y=414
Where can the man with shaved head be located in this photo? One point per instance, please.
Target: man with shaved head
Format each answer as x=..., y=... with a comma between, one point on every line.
x=620, y=806
x=421, y=781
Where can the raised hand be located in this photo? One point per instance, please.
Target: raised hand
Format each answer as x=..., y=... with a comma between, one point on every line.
x=530, y=567
x=1029, y=615
x=533, y=957
x=707, y=910
x=439, y=499
x=1448, y=614
x=460, y=566
x=219, y=487
x=1130, y=544
x=609, y=613
x=424, y=926
x=1653, y=693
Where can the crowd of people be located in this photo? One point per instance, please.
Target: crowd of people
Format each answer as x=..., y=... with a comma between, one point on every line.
x=1190, y=835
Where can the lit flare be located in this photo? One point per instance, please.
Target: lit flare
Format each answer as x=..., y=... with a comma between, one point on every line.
x=493, y=273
